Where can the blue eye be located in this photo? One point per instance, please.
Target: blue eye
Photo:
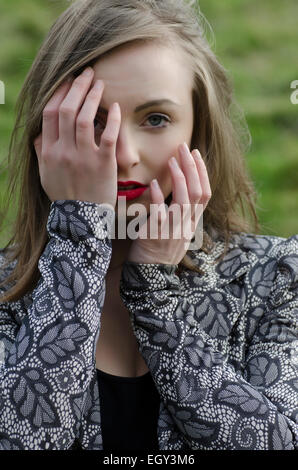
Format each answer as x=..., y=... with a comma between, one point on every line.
x=160, y=118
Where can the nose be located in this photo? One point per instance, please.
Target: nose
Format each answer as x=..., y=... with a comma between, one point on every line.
x=127, y=153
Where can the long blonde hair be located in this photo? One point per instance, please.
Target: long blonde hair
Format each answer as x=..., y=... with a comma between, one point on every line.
x=86, y=30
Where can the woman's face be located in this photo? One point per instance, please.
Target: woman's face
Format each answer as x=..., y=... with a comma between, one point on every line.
x=134, y=75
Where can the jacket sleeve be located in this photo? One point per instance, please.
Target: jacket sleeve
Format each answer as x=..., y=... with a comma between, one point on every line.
x=48, y=339
x=213, y=405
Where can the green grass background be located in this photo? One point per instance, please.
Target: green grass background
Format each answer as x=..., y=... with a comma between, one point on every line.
x=256, y=41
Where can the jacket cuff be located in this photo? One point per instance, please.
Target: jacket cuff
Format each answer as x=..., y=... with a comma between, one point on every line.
x=149, y=276
x=80, y=220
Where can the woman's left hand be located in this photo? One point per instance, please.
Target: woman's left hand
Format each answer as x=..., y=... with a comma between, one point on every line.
x=191, y=188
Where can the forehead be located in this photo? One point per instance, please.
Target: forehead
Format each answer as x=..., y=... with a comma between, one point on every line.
x=148, y=67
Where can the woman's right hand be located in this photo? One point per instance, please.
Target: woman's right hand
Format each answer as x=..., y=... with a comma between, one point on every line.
x=71, y=165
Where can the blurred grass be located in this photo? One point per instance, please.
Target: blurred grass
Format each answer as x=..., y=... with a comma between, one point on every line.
x=257, y=44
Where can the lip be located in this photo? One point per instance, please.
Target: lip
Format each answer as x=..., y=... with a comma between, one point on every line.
x=129, y=183
x=132, y=193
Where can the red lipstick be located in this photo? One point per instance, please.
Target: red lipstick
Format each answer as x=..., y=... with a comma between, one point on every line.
x=131, y=189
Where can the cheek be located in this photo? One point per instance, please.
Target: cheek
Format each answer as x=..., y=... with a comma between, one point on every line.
x=161, y=167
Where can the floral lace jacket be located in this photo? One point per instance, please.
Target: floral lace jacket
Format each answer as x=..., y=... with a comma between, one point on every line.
x=222, y=347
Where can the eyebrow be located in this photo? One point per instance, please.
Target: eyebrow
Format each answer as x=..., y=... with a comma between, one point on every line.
x=149, y=104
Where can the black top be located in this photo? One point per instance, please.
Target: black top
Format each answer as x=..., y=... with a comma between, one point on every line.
x=129, y=408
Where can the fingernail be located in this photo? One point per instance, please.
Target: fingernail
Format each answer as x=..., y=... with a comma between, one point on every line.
x=197, y=154
x=174, y=162
x=87, y=71
x=98, y=84
x=116, y=107
x=186, y=149
x=155, y=183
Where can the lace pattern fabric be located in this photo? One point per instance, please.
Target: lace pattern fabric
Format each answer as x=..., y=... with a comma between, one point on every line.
x=221, y=347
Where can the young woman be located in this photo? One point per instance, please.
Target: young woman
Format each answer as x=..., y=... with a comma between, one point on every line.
x=133, y=343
